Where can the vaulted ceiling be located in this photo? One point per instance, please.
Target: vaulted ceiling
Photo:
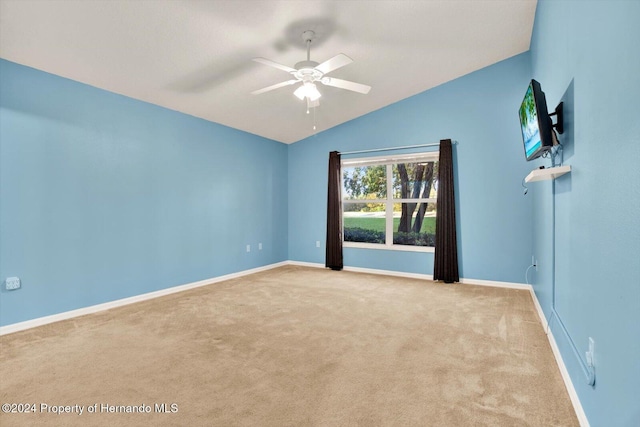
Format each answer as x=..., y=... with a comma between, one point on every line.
x=195, y=56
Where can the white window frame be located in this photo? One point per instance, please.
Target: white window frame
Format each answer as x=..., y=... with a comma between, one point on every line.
x=389, y=161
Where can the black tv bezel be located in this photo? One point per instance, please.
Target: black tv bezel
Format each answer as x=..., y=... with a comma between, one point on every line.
x=545, y=125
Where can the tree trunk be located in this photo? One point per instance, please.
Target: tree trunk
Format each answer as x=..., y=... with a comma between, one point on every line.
x=428, y=178
x=404, y=192
x=409, y=208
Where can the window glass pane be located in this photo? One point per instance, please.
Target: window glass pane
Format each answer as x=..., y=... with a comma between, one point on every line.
x=414, y=224
x=364, y=182
x=364, y=222
x=414, y=180
x=365, y=199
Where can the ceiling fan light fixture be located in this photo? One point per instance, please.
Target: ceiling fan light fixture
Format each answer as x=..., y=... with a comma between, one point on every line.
x=300, y=92
x=308, y=90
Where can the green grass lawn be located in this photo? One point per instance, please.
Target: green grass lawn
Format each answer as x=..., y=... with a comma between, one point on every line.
x=378, y=224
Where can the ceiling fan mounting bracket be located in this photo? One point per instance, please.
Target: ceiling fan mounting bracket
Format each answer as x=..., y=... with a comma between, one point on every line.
x=308, y=36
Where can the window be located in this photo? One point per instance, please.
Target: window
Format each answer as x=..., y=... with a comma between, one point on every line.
x=390, y=202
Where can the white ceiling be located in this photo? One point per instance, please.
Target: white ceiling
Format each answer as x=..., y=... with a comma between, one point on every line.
x=194, y=56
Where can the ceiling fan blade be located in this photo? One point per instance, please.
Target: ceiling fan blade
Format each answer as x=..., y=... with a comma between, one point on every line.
x=340, y=60
x=270, y=63
x=345, y=84
x=272, y=87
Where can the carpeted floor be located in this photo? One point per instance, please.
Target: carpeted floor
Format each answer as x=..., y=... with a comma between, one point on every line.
x=294, y=346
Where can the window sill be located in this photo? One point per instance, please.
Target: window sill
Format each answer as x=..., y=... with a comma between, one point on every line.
x=402, y=248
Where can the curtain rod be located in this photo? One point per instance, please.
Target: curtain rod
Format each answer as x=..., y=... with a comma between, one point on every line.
x=394, y=148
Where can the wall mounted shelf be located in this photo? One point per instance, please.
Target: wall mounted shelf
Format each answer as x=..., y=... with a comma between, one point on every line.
x=547, y=173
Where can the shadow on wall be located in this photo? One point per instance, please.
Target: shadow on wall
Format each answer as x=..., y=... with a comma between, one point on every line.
x=563, y=185
x=567, y=138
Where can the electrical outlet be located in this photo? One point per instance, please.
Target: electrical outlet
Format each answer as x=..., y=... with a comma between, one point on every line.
x=248, y=248
x=12, y=283
x=259, y=246
x=317, y=243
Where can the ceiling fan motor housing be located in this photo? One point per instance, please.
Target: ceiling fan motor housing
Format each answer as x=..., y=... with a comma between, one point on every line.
x=306, y=64
x=306, y=71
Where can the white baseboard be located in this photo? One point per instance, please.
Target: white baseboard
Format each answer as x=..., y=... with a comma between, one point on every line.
x=573, y=395
x=366, y=270
x=492, y=283
x=21, y=326
x=305, y=264
x=495, y=284
x=389, y=273
x=536, y=303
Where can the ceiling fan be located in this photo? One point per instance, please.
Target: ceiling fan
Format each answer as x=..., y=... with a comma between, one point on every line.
x=310, y=72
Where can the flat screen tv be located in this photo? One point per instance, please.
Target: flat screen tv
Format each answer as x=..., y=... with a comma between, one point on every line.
x=535, y=122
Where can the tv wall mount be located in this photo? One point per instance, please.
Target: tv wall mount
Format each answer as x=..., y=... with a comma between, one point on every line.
x=559, y=126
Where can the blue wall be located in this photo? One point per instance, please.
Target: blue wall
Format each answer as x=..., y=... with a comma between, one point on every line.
x=103, y=197
x=480, y=112
x=587, y=54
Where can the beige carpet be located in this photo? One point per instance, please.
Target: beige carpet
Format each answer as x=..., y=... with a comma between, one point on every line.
x=295, y=346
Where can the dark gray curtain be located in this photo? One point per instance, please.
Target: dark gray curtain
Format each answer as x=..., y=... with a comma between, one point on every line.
x=334, y=215
x=446, y=258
